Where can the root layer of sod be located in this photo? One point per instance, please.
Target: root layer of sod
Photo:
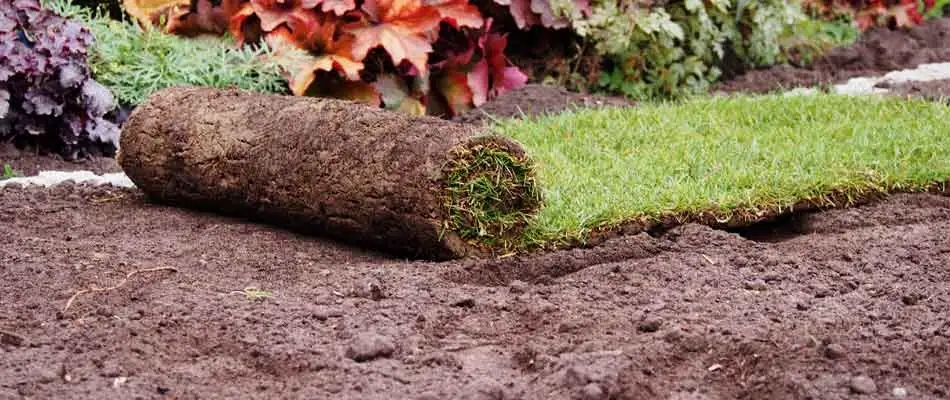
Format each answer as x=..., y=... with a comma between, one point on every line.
x=728, y=161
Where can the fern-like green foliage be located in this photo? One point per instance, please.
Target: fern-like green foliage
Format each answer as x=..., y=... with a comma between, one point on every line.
x=134, y=62
x=676, y=49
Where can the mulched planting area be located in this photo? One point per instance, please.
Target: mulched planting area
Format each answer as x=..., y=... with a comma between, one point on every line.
x=847, y=302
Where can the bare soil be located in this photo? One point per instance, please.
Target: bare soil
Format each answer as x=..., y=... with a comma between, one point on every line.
x=936, y=90
x=834, y=305
x=28, y=162
x=107, y=295
x=538, y=99
x=877, y=52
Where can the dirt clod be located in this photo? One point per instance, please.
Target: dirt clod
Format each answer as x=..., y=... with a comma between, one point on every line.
x=649, y=326
x=757, y=285
x=862, y=384
x=592, y=391
x=835, y=351
x=370, y=346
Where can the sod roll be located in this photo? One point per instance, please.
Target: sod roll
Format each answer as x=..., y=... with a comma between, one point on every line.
x=420, y=187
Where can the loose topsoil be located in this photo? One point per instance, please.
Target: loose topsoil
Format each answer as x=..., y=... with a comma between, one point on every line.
x=937, y=90
x=842, y=304
x=877, y=52
x=106, y=295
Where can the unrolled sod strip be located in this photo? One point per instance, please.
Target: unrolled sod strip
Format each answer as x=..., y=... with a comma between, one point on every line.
x=416, y=186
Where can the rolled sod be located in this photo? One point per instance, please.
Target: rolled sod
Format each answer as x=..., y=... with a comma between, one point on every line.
x=420, y=187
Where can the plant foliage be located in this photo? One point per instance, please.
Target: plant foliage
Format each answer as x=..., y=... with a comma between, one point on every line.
x=47, y=95
x=436, y=57
x=874, y=13
x=135, y=61
x=678, y=48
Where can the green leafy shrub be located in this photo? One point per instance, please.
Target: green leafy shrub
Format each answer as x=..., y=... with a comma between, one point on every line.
x=135, y=61
x=678, y=47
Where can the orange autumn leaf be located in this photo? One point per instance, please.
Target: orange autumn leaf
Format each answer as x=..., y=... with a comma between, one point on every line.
x=327, y=51
x=242, y=25
x=399, y=27
x=149, y=12
x=458, y=13
x=338, y=7
x=275, y=12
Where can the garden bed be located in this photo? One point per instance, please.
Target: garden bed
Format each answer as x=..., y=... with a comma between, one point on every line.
x=107, y=294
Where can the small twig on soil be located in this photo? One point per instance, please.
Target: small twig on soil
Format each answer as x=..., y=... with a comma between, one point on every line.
x=118, y=285
x=105, y=199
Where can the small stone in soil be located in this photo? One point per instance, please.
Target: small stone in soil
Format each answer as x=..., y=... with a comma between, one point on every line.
x=649, y=326
x=835, y=351
x=486, y=389
x=862, y=384
x=370, y=346
x=517, y=286
x=592, y=391
x=899, y=392
x=757, y=285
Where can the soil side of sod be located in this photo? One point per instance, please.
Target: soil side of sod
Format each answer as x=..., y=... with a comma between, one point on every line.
x=849, y=301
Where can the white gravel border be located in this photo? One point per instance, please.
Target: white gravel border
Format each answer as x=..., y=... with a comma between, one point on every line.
x=51, y=178
x=865, y=85
x=855, y=86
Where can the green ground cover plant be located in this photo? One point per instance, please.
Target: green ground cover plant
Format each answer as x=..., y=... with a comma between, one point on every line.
x=8, y=172
x=733, y=159
x=134, y=62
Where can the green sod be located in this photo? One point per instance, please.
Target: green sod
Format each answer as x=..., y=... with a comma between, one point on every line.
x=735, y=159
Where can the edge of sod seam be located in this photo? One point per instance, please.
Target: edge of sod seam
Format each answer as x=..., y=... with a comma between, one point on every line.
x=868, y=191
x=745, y=218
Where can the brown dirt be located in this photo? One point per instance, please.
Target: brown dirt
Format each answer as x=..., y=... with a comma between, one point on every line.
x=877, y=51
x=696, y=313
x=29, y=162
x=321, y=166
x=537, y=99
x=938, y=90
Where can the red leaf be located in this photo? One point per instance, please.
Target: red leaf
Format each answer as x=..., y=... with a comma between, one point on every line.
x=478, y=81
x=339, y=7
x=504, y=77
x=275, y=12
x=317, y=33
x=458, y=13
x=398, y=26
x=521, y=12
x=556, y=21
x=245, y=26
